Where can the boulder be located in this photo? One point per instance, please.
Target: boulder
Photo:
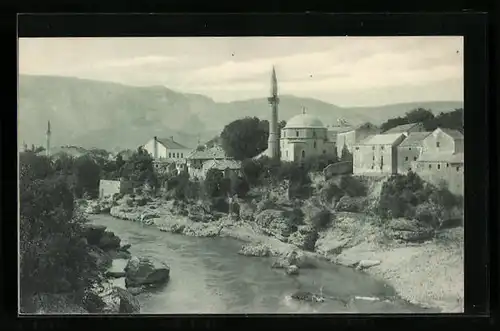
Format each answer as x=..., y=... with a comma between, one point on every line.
x=292, y=270
x=409, y=230
x=125, y=247
x=352, y=204
x=145, y=272
x=293, y=258
x=365, y=264
x=116, y=300
x=307, y=296
x=128, y=303
x=109, y=241
x=93, y=233
x=304, y=238
x=147, y=216
x=257, y=250
x=103, y=260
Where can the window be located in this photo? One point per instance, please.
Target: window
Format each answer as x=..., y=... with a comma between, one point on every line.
x=409, y=149
x=169, y=154
x=373, y=158
x=177, y=155
x=409, y=169
x=430, y=166
x=382, y=147
x=286, y=153
x=439, y=166
x=357, y=148
x=314, y=134
x=373, y=148
x=406, y=158
x=437, y=144
x=296, y=133
x=447, y=165
x=303, y=154
x=458, y=168
x=182, y=154
x=314, y=144
x=414, y=158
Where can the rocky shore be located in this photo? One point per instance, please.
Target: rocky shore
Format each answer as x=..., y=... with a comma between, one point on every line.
x=425, y=268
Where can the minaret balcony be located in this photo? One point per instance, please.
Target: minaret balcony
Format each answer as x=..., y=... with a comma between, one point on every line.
x=273, y=100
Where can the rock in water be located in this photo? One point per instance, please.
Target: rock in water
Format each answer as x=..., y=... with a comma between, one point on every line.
x=292, y=270
x=307, y=296
x=109, y=241
x=145, y=272
x=365, y=264
x=257, y=250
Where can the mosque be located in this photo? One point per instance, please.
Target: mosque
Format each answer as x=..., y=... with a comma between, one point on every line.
x=303, y=136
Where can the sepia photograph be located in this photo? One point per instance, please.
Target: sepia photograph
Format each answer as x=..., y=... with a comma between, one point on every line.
x=241, y=175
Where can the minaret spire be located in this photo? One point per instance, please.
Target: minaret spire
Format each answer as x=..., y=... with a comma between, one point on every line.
x=48, y=134
x=273, y=145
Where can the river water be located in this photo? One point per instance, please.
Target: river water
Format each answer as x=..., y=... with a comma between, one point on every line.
x=208, y=276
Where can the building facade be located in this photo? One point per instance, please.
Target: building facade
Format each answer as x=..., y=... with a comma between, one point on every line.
x=442, y=159
x=166, y=149
x=410, y=150
x=304, y=136
x=348, y=137
x=377, y=155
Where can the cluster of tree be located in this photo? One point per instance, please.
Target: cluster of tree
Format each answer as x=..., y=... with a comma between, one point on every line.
x=409, y=196
x=450, y=120
x=246, y=137
x=53, y=256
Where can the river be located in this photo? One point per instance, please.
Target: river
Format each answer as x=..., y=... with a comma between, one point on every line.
x=208, y=276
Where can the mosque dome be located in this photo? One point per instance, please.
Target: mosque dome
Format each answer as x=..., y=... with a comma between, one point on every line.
x=304, y=121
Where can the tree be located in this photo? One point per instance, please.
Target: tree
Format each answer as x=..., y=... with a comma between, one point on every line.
x=139, y=167
x=245, y=138
x=215, y=184
x=419, y=115
x=53, y=258
x=87, y=175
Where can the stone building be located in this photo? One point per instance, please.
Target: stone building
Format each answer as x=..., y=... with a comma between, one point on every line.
x=196, y=158
x=377, y=155
x=407, y=128
x=166, y=149
x=348, y=137
x=410, y=150
x=304, y=136
x=442, y=159
x=107, y=188
x=228, y=167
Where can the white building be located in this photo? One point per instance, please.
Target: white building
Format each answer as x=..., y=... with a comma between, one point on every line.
x=166, y=149
x=304, y=136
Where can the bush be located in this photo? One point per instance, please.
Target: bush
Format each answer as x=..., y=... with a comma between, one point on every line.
x=429, y=214
x=349, y=204
x=219, y=204
x=353, y=186
x=239, y=187
x=330, y=191
x=53, y=258
x=215, y=185
x=321, y=219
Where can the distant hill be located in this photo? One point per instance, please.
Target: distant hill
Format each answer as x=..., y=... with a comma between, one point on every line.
x=108, y=115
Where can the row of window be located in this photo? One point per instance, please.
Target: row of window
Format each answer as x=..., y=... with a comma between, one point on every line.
x=297, y=134
x=172, y=155
x=447, y=166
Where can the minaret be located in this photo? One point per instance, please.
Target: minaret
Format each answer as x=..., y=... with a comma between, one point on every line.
x=273, y=145
x=47, y=149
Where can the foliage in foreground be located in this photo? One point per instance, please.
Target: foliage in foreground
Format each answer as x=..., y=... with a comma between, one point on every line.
x=53, y=256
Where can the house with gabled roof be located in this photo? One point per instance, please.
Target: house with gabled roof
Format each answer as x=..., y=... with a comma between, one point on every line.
x=377, y=154
x=407, y=128
x=442, y=159
x=166, y=149
x=349, y=136
x=410, y=150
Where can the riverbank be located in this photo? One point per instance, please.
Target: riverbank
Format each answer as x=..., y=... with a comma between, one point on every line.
x=428, y=273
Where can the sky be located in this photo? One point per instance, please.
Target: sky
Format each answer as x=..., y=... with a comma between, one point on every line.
x=345, y=71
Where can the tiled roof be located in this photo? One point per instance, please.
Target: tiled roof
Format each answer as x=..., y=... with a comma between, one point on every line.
x=215, y=152
x=455, y=134
x=402, y=128
x=381, y=139
x=221, y=164
x=171, y=144
x=414, y=139
x=442, y=157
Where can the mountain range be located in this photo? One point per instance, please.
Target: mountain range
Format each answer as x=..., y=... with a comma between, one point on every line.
x=114, y=116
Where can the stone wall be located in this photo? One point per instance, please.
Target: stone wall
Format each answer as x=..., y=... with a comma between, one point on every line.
x=110, y=187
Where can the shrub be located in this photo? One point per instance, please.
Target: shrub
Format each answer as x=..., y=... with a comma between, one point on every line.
x=330, y=191
x=350, y=204
x=219, y=204
x=353, y=186
x=429, y=214
x=321, y=219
